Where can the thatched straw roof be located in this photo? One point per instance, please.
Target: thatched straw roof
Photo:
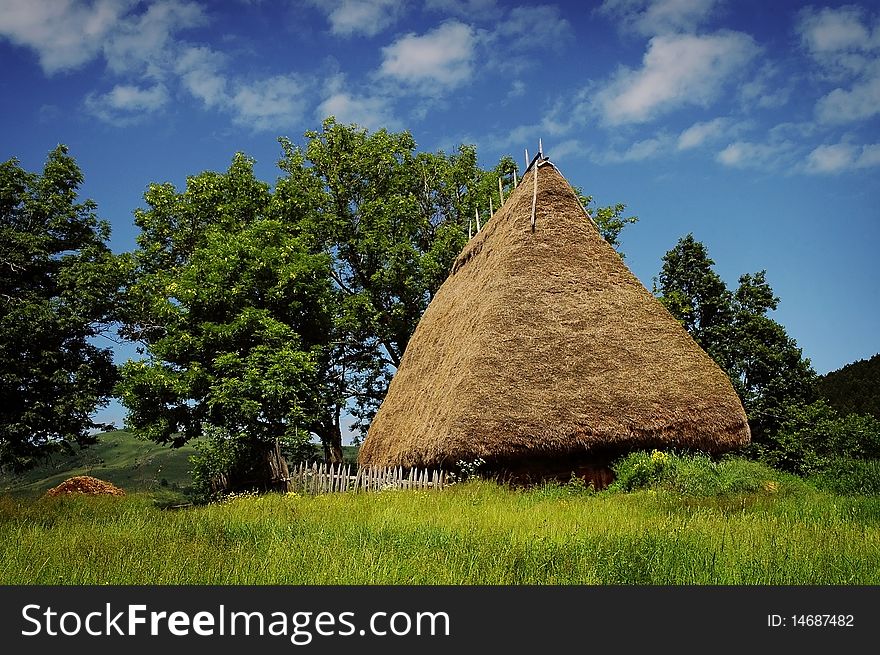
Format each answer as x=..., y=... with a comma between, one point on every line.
x=543, y=345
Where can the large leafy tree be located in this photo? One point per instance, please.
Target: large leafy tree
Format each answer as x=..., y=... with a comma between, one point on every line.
x=230, y=301
x=58, y=292
x=391, y=222
x=764, y=363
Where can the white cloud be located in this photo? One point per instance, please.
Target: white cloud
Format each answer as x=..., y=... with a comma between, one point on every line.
x=638, y=151
x=199, y=69
x=767, y=89
x=539, y=26
x=64, y=34
x=67, y=34
x=367, y=17
x=437, y=60
x=843, y=106
x=846, y=45
x=141, y=40
x=126, y=104
x=699, y=133
x=745, y=154
x=272, y=103
x=841, y=157
x=567, y=149
x=652, y=17
x=470, y=9
x=372, y=112
x=676, y=71
x=833, y=30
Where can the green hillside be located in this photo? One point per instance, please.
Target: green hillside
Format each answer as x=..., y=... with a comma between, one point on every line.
x=119, y=457
x=855, y=388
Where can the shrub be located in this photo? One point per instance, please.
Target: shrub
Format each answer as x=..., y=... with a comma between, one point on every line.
x=846, y=475
x=812, y=436
x=695, y=474
x=225, y=462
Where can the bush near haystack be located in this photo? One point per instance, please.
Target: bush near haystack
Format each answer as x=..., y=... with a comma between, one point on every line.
x=812, y=437
x=697, y=475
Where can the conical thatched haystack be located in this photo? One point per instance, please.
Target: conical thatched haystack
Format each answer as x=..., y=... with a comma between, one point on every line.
x=544, y=355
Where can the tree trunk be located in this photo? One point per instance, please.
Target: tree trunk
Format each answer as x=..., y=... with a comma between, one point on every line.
x=277, y=473
x=335, y=441
x=330, y=433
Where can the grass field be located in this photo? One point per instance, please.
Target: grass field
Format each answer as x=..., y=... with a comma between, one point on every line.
x=475, y=533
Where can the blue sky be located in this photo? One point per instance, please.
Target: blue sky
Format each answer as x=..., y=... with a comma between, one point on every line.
x=753, y=125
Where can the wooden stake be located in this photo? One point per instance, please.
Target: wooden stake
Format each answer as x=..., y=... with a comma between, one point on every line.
x=477, y=212
x=527, y=158
x=491, y=208
x=514, y=179
x=540, y=148
x=470, y=229
x=500, y=191
x=534, y=195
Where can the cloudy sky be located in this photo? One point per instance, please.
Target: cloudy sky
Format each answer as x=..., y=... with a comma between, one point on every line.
x=753, y=125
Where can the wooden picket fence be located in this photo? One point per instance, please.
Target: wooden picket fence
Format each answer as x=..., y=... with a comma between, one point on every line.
x=322, y=478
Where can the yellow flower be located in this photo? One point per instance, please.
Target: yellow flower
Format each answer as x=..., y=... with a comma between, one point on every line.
x=659, y=457
x=771, y=486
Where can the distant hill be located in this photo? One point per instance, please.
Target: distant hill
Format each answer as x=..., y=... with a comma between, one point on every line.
x=119, y=457
x=123, y=459
x=855, y=388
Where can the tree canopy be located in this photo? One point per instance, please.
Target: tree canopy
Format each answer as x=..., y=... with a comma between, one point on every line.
x=231, y=302
x=765, y=365
x=854, y=388
x=58, y=292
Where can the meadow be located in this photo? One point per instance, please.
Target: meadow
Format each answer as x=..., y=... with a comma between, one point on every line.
x=756, y=527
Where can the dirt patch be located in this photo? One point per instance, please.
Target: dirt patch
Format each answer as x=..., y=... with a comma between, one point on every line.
x=85, y=484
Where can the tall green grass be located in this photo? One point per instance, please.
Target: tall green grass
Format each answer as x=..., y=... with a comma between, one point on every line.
x=475, y=533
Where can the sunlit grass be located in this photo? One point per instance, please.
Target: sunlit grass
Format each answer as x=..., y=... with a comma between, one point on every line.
x=477, y=533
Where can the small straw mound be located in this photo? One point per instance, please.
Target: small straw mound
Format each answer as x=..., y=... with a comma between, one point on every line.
x=542, y=348
x=85, y=484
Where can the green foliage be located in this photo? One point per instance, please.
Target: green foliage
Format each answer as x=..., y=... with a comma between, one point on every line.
x=696, y=475
x=813, y=437
x=609, y=220
x=765, y=365
x=58, y=291
x=220, y=457
x=853, y=389
x=230, y=300
x=847, y=475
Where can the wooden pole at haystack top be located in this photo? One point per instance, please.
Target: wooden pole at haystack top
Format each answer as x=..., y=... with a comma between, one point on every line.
x=500, y=190
x=477, y=212
x=534, y=194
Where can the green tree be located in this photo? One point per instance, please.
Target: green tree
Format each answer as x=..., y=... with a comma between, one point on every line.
x=392, y=222
x=58, y=292
x=812, y=437
x=609, y=220
x=765, y=365
x=231, y=303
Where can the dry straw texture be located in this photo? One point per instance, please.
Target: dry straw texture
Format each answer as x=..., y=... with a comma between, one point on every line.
x=543, y=346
